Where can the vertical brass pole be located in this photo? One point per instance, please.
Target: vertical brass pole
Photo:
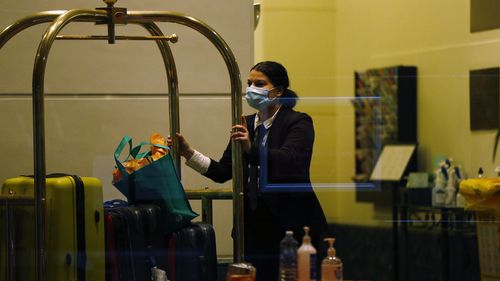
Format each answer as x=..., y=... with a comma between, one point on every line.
x=173, y=90
x=234, y=73
x=39, y=128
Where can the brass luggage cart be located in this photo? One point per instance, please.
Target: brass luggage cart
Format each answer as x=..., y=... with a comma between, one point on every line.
x=110, y=16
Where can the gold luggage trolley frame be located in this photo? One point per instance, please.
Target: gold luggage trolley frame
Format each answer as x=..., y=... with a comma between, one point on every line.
x=111, y=15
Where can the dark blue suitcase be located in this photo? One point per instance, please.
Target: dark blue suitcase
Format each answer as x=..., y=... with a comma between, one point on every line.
x=192, y=254
x=135, y=242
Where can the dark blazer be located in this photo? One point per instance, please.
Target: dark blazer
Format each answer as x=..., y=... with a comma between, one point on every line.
x=289, y=148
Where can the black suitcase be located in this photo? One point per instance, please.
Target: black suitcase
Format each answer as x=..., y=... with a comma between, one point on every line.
x=154, y=235
x=135, y=242
x=192, y=254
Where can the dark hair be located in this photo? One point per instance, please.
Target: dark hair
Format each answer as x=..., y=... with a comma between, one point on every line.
x=278, y=76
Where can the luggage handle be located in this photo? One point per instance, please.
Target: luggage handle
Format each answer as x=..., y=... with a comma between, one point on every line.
x=135, y=151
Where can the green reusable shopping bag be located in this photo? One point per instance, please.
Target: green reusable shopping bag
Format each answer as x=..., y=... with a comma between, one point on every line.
x=156, y=183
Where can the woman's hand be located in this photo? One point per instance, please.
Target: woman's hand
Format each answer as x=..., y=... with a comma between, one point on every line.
x=185, y=149
x=240, y=133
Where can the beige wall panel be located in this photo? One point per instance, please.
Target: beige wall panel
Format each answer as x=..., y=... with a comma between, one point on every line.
x=128, y=67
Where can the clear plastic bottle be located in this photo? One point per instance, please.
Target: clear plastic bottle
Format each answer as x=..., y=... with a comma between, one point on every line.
x=288, y=258
x=438, y=191
x=459, y=200
x=451, y=190
x=331, y=267
x=306, y=259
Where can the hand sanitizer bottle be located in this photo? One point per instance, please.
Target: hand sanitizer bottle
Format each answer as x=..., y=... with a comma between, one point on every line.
x=460, y=200
x=450, y=190
x=438, y=192
x=331, y=267
x=306, y=259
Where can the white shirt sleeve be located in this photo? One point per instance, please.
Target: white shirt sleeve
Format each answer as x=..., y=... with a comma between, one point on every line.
x=199, y=162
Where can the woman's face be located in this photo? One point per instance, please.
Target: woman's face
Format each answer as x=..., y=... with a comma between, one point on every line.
x=260, y=80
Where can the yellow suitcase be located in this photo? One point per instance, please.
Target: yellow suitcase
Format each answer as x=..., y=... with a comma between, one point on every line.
x=74, y=229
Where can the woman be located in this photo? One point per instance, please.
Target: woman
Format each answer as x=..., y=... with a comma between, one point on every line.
x=277, y=143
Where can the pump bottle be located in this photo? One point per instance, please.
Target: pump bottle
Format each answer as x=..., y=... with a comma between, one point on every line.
x=451, y=190
x=459, y=200
x=331, y=267
x=438, y=191
x=306, y=259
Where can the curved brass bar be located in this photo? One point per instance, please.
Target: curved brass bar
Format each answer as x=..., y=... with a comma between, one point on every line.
x=13, y=29
x=38, y=18
x=39, y=125
x=225, y=51
x=173, y=90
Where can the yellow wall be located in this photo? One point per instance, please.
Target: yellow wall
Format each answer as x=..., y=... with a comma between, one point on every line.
x=302, y=36
x=322, y=43
x=435, y=37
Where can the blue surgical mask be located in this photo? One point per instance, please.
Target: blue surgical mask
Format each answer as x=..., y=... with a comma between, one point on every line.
x=258, y=98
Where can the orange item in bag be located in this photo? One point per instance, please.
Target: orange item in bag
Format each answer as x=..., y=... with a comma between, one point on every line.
x=158, y=152
x=133, y=164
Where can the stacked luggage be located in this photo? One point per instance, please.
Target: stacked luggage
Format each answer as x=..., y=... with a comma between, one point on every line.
x=136, y=245
x=134, y=242
x=192, y=254
x=85, y=241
